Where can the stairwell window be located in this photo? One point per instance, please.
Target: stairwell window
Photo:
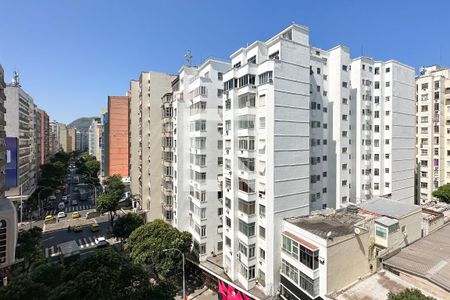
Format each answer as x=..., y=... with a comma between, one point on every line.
x=265, y=77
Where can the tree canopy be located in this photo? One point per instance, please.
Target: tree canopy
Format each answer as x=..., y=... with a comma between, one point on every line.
x=106, y=203
x=147, y=243
x=126, y=224
x=114, y=186
x=443, y=193
x=29, y=247
x=409, y=294
x=103, y=275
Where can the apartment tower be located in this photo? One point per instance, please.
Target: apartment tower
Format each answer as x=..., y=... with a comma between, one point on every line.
x=433, y=131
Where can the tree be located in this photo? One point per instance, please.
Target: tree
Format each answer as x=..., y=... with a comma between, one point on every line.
x=443, y=193
x=93, y=167
x=147, y=243
x=23, y=287
x=126, y=224
x=48, y=274
x=114, y=186
x=29, y=247
x=107, y=203
x=409, y=294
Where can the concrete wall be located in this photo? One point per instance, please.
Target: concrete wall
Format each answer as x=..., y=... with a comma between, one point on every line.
x=134, y=137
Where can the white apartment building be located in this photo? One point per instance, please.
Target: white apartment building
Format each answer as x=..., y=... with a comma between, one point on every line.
x=293, y=143
x=198, y=162
x=167, y=156
x=95, y=130
x=19, y=118
x=383, y=139
x=433, y=130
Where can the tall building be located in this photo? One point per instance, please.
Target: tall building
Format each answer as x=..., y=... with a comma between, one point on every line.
x=63, y=137
x=116, y=134
x=302, y=130
x=198, y=154
x=54, y=145
x=152, y=87
x=135, y=139
x=45, y=137
x=37, y=142
x=71, y=139
x=103, y=142
x=94, y=138
x=8, y=215
x=20, y=115
x=167, y=157
x=384, y=121
x=432, y=128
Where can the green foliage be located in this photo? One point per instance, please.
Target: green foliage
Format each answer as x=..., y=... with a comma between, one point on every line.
x=103, y=275
x=107, y=203
x=114, y=186
x=29, y=247
x=147, y=243
x=409, y=294
x=93, y=167
x=443, y=193
x=126, y=224
x=23, y=287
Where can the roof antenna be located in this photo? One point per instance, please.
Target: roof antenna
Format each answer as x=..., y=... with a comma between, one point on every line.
x=188, y=57
x=16, y=79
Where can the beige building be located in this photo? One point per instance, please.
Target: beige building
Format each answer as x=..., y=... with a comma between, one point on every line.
x=135, y=139
x=62, y=130
x=316, y=249
x=432, y=128
x=152, y=87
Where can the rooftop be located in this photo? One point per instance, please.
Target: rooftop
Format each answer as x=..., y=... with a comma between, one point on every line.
x=389, y=208
x=428, y=258
x=328, y=223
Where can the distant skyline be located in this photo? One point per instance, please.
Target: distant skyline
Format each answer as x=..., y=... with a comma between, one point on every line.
x=72, y=54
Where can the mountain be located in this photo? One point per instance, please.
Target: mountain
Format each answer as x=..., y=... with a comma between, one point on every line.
x=82, y=124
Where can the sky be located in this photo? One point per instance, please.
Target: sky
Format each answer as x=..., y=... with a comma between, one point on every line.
x=72, y=54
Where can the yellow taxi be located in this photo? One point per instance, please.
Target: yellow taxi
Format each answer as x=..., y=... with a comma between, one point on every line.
x=95, y=227
x=49, y=218
x=77, y=228
x=75, y=215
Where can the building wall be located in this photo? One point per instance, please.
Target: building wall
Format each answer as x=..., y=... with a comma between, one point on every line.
x=135, y=142
x=8, y=214
x=432, y=140
x=20, y=123
x=63, y=137
x=45, y=137
x=118, y=135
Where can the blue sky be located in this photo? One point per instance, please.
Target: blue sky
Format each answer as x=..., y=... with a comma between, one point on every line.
x=72, y=54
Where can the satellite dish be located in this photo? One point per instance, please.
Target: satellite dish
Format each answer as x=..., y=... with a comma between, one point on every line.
x=357, y=230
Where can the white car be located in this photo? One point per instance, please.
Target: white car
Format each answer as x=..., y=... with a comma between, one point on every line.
x=101, y=241
x=61, y=214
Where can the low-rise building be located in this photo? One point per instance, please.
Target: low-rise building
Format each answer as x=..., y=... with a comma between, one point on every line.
x=316, y=249
x=434, y=216
x=425, y=264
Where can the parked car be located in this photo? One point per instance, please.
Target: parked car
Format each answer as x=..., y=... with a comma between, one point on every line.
x=61, y=206
x=101, y=242
x=76, y=215
x=49, y=218
x=52, y=198
x=74, y=202
x=61, y=215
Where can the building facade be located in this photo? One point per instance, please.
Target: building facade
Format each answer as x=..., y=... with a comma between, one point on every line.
x=146, y=158
x=167, y=157
x=20, y=124
x=94, y=138
x=63, y=137
x=45, y=137
x=8, y=215
x=116, y=152
x=383, y=139
x=432, y=129
x=200, y=169
x=135, y=140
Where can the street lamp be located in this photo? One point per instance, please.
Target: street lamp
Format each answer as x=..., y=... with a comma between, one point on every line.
x=184, y=280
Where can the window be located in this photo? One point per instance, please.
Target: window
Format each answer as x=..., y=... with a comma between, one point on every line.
x=388, y=84
x=377, y=71
x=247, y=229
x=344, y=68
x=228, y=241
x=262, y=210
x=247, y=122
x=344, y=84
x=247, y=186
x=265, y=77
x=380, y=232
x=227, y=202
x=220, y=76
x=246, y=100
x=388, y=70
x=262, y=254
x=262, y=232
x=252, y=60
x=377, y=85
x=247, y=207
x=203, y=231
